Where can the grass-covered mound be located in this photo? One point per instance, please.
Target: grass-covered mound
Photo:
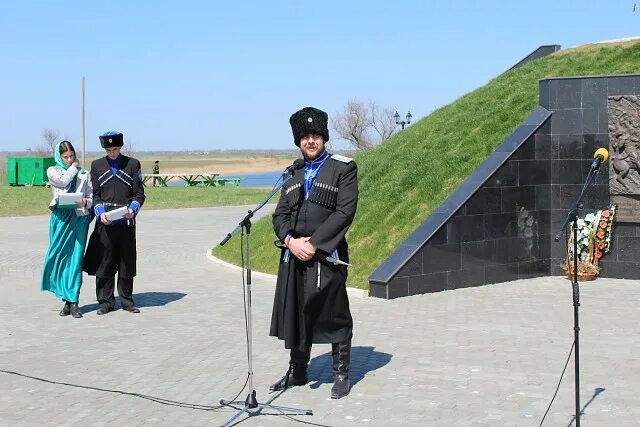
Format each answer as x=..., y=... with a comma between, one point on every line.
x=402, y=181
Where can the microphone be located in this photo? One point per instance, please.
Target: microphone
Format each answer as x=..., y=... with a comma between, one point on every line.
x=601, y=155
x=297, y=164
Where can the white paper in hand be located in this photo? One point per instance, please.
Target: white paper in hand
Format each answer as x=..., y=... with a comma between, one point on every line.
x=68, y=200
x=116, y=213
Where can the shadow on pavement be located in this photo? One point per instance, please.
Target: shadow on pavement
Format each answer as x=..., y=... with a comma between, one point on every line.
x=596, y=392
x=143, y=299
x=363, y=361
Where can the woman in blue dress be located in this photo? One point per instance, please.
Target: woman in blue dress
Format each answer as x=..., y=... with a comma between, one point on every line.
x=68, y=227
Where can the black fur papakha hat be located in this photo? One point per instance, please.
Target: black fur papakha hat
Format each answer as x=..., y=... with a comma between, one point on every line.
x=309, y=120
x=111, y=139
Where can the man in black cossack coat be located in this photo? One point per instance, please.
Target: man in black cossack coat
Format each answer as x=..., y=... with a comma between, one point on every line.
x=315, y=210
x=117, y=182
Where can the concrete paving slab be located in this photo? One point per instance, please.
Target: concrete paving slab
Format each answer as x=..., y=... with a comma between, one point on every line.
x=488, y=356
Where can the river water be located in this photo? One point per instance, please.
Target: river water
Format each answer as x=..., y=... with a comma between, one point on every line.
x=264, y=179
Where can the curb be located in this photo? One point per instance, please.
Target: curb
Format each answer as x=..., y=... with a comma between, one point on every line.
x=234, y=267
x=352, y=292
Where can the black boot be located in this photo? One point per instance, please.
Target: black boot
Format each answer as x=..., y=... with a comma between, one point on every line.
x=297, y=373
x=65, y=310
x=75, y=310
x=341, y=353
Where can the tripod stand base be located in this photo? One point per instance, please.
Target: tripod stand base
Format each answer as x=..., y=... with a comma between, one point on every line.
x=251, y=407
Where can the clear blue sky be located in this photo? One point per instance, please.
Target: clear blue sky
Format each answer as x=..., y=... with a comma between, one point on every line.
x=227, y=75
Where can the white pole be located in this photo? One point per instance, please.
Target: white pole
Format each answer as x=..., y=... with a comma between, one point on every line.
x=84, y=132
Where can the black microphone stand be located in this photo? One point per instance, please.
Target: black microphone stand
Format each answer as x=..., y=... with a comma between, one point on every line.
x=250, y=405
x=572, y=217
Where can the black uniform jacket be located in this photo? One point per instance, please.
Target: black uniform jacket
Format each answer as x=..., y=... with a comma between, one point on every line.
x=112, y=247
x=311, y=303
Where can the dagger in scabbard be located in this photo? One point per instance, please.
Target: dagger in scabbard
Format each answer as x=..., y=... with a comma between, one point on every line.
x=319, y=255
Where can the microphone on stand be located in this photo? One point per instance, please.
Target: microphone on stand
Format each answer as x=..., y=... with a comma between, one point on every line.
x=297, y=164
x=601, y=155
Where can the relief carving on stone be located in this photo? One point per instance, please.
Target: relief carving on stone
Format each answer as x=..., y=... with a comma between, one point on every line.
x=624, y=155
x=624, y=144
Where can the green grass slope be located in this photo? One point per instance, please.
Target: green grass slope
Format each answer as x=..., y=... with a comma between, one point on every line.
x=405, y=179
x=23, y=201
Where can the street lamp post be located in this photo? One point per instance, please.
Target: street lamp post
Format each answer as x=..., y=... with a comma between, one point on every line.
x=403, y=122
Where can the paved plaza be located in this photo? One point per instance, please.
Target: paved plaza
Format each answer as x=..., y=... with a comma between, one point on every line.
x=487, y=356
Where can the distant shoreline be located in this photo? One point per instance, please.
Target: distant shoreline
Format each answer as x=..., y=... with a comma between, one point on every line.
x=222, y=162
x=294, y=152
x=213, y=153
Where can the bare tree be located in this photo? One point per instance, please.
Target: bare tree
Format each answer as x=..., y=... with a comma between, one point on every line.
x=382, y=121
x=51, y=137
x=129, y=147
x=364, y=125
x=352, y=124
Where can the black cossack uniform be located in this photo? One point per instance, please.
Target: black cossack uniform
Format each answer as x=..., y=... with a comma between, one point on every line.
x=112, y=247
x=311, y=303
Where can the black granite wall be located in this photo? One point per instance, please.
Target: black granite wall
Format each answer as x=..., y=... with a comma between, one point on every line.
x=500, y=223
x=540, y=52
x=493, y=228
x=579, y=126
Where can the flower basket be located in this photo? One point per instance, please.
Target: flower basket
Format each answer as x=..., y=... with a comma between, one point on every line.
x=587, y=269
x=594, y=240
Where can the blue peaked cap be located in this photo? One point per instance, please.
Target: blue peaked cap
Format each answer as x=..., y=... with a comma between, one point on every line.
x=111, y=139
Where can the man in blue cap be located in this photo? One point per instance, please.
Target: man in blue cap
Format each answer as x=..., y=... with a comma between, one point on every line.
x=117, y=183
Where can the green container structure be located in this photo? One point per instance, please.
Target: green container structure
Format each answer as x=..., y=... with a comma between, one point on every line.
x=28, y=170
